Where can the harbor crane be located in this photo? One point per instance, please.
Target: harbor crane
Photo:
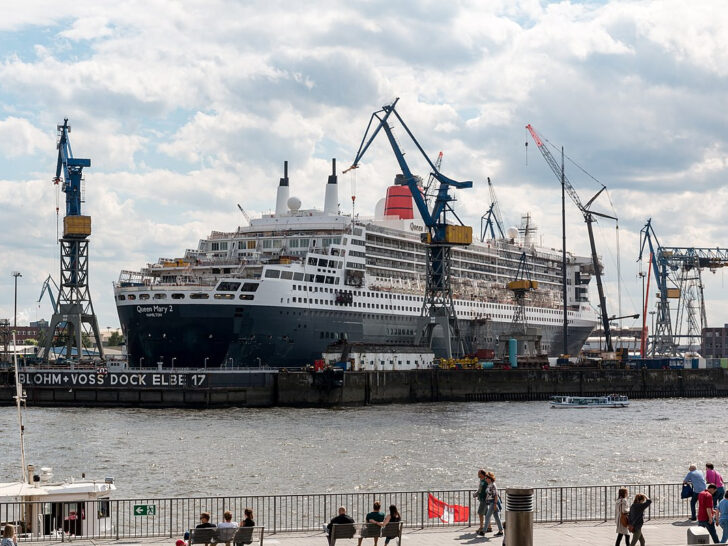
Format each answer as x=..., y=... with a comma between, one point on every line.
x=73, y=307
x=46, y=289
x=520, y=286
x=589, y=215
x=440, y=236
x=678, y=275
x=492, y=219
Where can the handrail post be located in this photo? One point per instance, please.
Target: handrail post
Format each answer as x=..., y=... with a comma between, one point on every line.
x=422, y=510
x=605, y=503
x=649, y=496
x=275, y=514
x=171, y=521
x=561, y=505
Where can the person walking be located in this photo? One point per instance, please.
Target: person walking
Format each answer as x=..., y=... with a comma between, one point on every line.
x=480, y=495
x=621, y=516
x=696, y=479
x=706, y=513
x=712, y=476
x=491, y=502
x=723, y=517
x=637, y=517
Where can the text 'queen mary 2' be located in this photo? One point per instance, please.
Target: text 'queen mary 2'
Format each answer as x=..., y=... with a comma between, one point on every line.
x=277, y=292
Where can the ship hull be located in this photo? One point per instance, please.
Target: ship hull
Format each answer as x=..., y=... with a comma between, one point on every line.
x=197, y=336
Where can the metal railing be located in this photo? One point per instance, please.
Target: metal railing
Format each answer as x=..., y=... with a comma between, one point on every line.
x=171, y=517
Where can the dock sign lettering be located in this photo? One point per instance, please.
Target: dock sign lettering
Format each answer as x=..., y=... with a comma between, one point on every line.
x=145, y=509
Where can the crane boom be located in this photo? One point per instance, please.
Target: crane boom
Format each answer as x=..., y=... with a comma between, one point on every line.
x=589, y=219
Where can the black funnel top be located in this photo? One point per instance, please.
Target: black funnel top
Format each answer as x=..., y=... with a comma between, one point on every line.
x=284, y=180
x=333, y=179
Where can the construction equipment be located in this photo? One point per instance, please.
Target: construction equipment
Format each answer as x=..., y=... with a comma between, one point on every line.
x=520, y=286
x=73, y=307
x=245, y=214
x=589, y=219
x=678, y=274
x=492, y=219
x=438, y=306
x=46, y=289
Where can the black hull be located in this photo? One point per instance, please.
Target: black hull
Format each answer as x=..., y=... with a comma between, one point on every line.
x=218, y=336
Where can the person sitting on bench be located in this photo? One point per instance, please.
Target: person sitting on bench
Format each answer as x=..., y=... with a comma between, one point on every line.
x=341, y=518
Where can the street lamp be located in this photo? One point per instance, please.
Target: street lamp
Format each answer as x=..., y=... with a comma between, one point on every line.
x=16, y=274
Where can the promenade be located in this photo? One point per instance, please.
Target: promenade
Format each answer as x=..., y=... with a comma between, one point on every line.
x=667, y=532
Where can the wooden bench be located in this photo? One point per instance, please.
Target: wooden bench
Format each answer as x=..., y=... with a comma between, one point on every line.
x=239, y=536
x=366, y=530
x=341, y=531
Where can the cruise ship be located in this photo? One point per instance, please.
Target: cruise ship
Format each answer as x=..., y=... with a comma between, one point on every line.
x=278, y=291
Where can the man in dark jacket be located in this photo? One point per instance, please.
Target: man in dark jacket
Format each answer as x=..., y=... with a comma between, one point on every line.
x=341, y=518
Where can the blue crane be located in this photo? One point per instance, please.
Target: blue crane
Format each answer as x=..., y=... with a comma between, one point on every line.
x=72, y=168
x=440, y=236
x=589, y=219
x=668, y=266
x=47, y=289
x=491, y=219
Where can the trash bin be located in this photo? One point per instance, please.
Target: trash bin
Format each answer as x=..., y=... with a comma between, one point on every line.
x=698, y=535
x=519, y=517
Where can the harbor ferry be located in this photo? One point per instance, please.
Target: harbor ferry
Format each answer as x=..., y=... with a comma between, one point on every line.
x=610, y=401
x=278, y=291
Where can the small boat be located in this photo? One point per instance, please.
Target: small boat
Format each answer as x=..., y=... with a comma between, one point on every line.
x=609, y=401
x=40, y=506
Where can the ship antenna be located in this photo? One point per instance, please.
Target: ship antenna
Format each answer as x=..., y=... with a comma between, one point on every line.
x=19, y=397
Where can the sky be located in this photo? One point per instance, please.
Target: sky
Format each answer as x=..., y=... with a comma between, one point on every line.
x=188, y=108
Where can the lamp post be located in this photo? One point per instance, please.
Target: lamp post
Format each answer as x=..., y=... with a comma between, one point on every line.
x=16, y=274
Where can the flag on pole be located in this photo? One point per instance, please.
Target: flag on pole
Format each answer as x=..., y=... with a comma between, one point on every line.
x=448, y=513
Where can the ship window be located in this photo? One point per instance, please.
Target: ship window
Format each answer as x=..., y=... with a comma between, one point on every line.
x=178, y=296
x=267, y=243
x=336, y=280
x=320, y=278
x=272, y=273
x=160, y=296
x=121, y=298
x=251, y=245
x=309, y=277
x=228, y=286
x=250, y=287
x=298, y=276
x=143, y=296
x=312, y=261
x=132, y=297
x=224, y=296
x=286, y=274
x=246, y=296
x=104, y=508
x=199, y=296
x=329, y=280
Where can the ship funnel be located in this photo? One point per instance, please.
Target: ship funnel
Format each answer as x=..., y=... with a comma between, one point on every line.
x=282, y=195
x=331, y=202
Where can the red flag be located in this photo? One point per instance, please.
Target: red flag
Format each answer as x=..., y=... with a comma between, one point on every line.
x=448, y=513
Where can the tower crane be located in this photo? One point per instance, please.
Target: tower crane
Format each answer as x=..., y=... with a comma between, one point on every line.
x=589, y=219
x=440, y=236
x=671, y=267
x=492, y=219
x=73, y=307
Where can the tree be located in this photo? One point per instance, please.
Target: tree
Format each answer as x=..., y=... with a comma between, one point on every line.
x=115, y=339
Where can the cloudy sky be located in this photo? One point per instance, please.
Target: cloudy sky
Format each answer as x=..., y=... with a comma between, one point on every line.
x=187, y=108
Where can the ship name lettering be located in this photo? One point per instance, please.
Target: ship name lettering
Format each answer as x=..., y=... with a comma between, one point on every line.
x=415, y=227
x=171, y=380
x=131, y=379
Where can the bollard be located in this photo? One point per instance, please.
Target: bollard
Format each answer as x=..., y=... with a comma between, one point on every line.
x=698, y=535
x=519, y=517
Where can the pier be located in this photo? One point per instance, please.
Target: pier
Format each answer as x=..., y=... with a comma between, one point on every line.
x=207, y=388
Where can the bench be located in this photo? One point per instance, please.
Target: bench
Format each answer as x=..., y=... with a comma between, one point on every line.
x=366, y=530
x=341, y=531
x=238, y=536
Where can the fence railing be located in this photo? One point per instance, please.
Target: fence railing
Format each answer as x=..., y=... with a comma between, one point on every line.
x=171, y=517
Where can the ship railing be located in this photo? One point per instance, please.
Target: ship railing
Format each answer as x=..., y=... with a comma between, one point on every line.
x=171, y=517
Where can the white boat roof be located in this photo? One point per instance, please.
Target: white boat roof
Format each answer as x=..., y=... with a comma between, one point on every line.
x=84, y=488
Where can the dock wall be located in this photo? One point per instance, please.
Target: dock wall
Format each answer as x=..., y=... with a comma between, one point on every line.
x=306, y=389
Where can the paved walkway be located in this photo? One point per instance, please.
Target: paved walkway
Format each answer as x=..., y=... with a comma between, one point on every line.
x=660, y=532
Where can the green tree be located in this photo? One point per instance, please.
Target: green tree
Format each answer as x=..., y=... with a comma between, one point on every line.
x=115, y=339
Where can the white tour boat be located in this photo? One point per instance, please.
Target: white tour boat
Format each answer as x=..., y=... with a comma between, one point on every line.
x=610, y=401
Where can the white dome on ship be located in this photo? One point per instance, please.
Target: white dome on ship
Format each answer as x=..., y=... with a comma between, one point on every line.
x=379, y=208
x=294, y=203
x=512, y=232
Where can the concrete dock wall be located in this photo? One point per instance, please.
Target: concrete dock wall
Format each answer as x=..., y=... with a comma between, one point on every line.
x=307, y=389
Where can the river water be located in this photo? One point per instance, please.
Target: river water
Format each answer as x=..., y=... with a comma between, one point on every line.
x=153, y=453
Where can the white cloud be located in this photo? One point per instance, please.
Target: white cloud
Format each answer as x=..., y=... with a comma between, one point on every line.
x=18, y=137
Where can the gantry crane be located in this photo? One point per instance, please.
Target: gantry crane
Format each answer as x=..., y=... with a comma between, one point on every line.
x=677, y=272
x=73, y=305
x=492, y=219
x=589, y=219
x=440, y=236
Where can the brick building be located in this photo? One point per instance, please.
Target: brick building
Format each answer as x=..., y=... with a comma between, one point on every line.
x=715, y=342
